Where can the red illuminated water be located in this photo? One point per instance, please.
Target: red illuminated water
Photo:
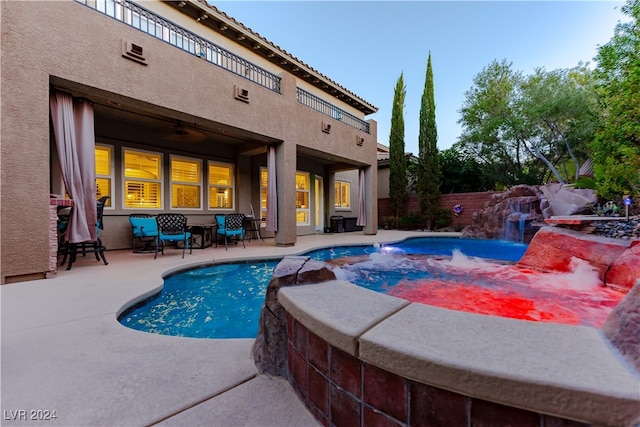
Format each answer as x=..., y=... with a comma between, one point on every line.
x=478, y=286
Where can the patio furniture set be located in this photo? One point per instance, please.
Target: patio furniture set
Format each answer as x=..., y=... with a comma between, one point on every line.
x=162, y=228
x=154, y=232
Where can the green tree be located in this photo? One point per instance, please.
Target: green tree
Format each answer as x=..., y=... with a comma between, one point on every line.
x=484, y=119
x=462, y=173
x=428, y=174
x=528, y=128
x=555, y=118
x=397, y=159
x=616, y=149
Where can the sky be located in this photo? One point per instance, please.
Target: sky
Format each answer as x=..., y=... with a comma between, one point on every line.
x=364, y=46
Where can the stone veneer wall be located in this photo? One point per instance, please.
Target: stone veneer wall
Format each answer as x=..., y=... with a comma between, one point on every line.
x=54, y=205
x=341, y=390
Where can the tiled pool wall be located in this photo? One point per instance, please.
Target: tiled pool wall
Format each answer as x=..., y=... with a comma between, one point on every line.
x=341, y=390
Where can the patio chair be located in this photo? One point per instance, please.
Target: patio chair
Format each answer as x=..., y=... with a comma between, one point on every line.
x=173, y=228
x=144, y=228
x=230, y=225
x=71, y=250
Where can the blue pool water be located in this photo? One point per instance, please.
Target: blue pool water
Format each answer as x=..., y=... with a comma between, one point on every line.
x=224, y=301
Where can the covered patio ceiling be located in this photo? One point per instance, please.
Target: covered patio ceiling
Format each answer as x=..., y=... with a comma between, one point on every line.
x=120, y=118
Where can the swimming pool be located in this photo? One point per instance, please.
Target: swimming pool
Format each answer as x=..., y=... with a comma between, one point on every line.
x=224, y=300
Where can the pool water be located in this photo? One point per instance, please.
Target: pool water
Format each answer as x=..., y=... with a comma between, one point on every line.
x=475, y=285
x=221, y=301
x=224, y=300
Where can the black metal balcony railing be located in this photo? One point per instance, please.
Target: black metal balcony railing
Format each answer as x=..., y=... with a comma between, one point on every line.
x=328, y=109
x=154, y=25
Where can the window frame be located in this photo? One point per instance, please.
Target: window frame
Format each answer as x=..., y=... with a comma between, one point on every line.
x=159, y=180
x=306, y=210
x=110, y=203
x=264, y=191
x=338, y=195
x=231, y=187
x=173, y=157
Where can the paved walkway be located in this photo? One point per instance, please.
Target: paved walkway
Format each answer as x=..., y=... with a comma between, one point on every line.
x=63, y=351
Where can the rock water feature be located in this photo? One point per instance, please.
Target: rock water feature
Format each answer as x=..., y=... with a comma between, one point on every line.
x=517, y=225
x=514, y=215
x=517, y=214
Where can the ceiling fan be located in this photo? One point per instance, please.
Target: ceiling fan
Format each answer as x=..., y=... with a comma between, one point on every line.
x=182, y=133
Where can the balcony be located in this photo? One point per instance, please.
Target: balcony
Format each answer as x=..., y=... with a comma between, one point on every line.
x=152, y=24
x=328, y=109
x=156, y=26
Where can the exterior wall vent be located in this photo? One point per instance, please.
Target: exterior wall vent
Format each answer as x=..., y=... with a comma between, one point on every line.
x=326, y=127
x=133, y=52
x=241, y=94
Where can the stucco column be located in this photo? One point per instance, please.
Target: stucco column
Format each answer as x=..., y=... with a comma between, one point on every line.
x=371, y=195
x=286, y=187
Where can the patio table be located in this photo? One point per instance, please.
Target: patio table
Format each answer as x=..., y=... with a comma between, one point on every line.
x=202, y=235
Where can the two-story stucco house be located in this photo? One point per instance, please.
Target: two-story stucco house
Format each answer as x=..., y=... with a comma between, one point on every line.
x=185, y=109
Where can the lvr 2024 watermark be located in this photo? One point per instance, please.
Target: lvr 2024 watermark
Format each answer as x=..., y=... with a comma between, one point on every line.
x=29, y=415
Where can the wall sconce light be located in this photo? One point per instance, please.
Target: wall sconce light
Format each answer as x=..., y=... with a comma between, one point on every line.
x=359, y=140
x=241, y=94
x=326, y=127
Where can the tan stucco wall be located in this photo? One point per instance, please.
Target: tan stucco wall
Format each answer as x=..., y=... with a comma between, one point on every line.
x=66, y=40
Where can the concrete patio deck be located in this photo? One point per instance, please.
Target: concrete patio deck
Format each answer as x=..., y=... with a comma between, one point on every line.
x=63, y=350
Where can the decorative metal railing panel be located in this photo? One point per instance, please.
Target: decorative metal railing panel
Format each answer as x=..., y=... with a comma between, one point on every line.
x=328, y=109
x=156, y=26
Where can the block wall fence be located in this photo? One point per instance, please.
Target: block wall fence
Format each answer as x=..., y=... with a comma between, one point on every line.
x=471, y=202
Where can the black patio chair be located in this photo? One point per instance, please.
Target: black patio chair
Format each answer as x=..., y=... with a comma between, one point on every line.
x=173, y=228
x=72, y=250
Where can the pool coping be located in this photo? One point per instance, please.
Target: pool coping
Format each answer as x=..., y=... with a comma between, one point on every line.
x=561, y=370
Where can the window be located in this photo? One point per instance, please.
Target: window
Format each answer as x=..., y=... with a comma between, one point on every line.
x=264, y=179
x=220, y=186
x=142, y=179
x=104, y=172
x=302, y=198
x=343, y=194
x=186, y=183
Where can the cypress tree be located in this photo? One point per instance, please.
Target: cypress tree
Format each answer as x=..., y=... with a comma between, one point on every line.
x=397, y=159
x=428, y=174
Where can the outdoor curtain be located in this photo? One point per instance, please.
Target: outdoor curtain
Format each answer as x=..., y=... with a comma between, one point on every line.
x=73, y=128
x=362, y=209
x=272, y=198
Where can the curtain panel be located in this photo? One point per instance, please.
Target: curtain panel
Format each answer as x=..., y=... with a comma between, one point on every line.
x=272, y=197
x=73, y=128
x=362, y=208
